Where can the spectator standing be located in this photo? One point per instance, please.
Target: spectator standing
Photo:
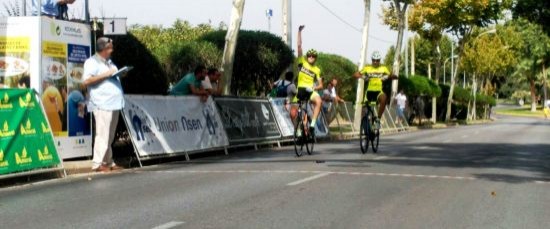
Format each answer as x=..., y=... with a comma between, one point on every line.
x=547, y=109
x=284, y=87
x=211, y=82
x=420, y=109
x=106, y=101
x=401, y=100
x=190, y=84
x=331, y=99
x=330, y=95
x=53, y=8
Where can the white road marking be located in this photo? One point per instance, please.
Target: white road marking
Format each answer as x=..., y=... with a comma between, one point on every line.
x=464, y=136
x=380, y=158
x=169, y=225
x=447, y=141
x=308, y=179
x=319, y=174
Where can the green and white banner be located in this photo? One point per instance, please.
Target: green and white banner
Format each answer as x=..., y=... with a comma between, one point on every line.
x=26, y=141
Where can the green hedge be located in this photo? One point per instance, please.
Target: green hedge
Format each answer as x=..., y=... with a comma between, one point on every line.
x=419, y=86
x=148, y=75
x=338, y=67
x=259, y=57
x=183, y=57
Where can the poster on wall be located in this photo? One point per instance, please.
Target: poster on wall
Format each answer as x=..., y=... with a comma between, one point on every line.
x=18, y=40
x=65, y=48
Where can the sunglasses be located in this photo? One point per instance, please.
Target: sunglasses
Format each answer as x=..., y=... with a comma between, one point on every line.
x=309, y=56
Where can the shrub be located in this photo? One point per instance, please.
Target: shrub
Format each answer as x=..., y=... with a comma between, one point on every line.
x=419, y=86
x=341, y=68
x=148, y=76
x=183, y=57
x=259, y=58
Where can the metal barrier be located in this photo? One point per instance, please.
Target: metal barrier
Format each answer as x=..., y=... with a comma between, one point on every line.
x=158, y=125
x=343, y=115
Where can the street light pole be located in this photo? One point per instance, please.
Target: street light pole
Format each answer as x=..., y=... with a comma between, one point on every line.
x=452, y=61
x=269, y=14
x=287, y=23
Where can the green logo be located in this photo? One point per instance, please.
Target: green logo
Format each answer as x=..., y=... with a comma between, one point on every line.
x=6, y=132
x=54, y=29
x=22, y=158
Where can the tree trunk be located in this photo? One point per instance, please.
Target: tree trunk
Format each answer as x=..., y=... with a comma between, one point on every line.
x=453, y=83
x=437, y=76
x=474, y=93
x=533, y=95
x=545, y=84
x=231, y=44
x=362, y=61
x=401, y=13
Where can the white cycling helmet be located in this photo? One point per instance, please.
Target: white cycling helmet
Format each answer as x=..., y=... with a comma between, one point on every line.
x=376, y=55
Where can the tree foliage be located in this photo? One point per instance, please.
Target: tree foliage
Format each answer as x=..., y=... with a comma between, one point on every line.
x=536, y=11
x=148, y=75
x=340, y=68
x=260, y=57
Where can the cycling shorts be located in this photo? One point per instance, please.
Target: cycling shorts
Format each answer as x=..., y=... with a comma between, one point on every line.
x=304, y=95
x=372, y=96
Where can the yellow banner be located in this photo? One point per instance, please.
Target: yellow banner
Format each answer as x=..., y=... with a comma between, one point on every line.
x=54, y=49
x=15, y=44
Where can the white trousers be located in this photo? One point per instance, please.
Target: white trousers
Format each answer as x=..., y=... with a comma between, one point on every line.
x=105, y=127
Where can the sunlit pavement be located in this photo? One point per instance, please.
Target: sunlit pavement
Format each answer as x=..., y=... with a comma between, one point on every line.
x=485, y=176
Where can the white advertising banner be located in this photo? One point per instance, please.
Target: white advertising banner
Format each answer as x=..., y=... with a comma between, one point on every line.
x=64, y=48
x=48, y=55
x=283, y=116
x=160, y=125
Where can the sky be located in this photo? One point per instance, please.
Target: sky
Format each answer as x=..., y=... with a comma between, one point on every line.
x=324, y=31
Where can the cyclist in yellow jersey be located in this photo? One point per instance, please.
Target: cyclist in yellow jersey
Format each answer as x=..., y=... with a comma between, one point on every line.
x=309, y=81
x=375, y=74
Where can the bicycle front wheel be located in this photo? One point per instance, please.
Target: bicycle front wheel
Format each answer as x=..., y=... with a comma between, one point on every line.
x=310, y=139
x=375, y=140
x=299, y=136
x=364, y=135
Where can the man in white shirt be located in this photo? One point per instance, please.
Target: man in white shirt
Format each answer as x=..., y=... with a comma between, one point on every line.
x=106, y=101
x=211, y=82
x=330, y=97
x=401, y=100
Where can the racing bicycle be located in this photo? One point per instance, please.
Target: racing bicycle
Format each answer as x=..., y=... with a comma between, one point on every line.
x=369, y=130
x=303, y=137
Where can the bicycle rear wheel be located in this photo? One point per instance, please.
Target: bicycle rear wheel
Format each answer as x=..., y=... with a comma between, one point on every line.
x=364, y=135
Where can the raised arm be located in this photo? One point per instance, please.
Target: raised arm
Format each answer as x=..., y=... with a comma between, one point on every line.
x=300, y=51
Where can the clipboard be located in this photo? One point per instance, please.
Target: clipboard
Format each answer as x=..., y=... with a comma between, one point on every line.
x=122, y=71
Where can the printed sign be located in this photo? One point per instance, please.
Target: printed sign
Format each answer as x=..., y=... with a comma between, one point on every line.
x=166, y=125
x=65, y=48
x=248, y=119
x=283, y=116
x=26, y=142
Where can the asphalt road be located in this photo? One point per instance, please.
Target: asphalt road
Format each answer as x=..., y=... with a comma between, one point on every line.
x=486, y=176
